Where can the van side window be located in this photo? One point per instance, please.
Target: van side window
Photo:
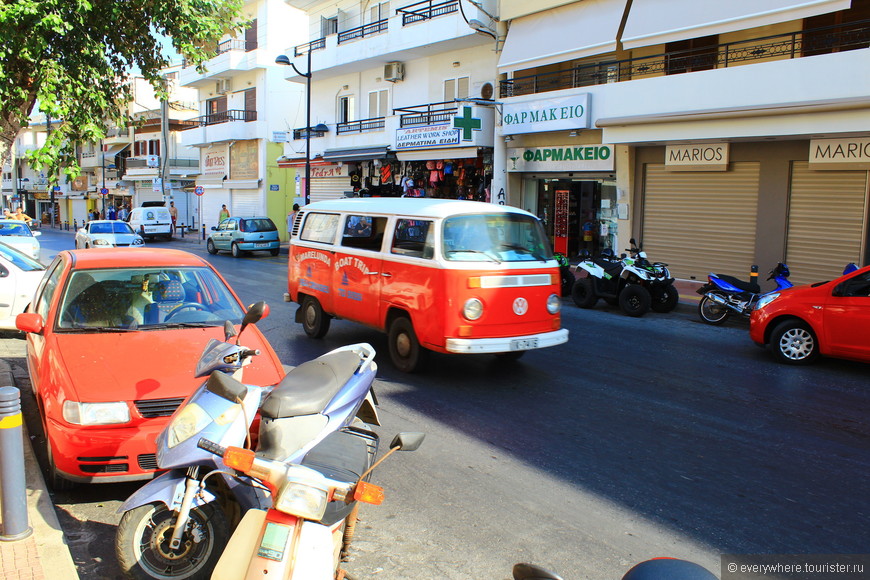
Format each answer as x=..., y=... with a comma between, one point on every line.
x=413, y=238
x=319, y=227
x=364, y=232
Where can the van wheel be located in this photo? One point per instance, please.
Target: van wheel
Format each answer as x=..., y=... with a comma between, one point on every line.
x=209, y=245
x=237, y=252
x=405, y=350
x=315, y=321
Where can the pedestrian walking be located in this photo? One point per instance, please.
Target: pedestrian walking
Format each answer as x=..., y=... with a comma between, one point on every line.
x=173, y=211
x=291, y=219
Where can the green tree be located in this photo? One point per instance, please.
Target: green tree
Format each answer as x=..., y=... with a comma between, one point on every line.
x=72, y=59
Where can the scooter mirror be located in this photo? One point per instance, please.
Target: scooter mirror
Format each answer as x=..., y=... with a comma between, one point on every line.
x=255, y=313
x=531, y=572
x=407, y=441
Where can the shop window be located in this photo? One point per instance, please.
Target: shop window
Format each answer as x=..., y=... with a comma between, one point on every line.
x=413, y=238
x=378, y=103
x=455, y=89
x=693, y=54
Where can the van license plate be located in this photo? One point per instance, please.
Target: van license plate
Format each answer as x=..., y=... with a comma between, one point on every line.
x=524, y=343
x=261, y=245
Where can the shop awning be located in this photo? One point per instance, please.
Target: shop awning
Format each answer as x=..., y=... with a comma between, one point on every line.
x=211, y=182
x=575, y=31
x=435, y=154
x=113, y=149
x=655, y=22
x=241, y=184
x=356, y=153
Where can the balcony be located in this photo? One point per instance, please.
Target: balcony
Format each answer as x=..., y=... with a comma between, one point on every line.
x=232, y=125
x=427, y=10
x=811, y=42
x=232, y=56
x=216, y=118
x=149, y=167
x=362, y=31
x=361, y=126
x=428, y=114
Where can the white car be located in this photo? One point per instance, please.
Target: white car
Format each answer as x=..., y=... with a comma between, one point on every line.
x=107, y=234
x=19, y=276
x=18, y=234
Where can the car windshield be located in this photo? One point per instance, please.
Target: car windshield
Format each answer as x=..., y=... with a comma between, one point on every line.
x=146, y=299
x=14, y=229
x=499, y=237
x=111, y=228
x=22, y=261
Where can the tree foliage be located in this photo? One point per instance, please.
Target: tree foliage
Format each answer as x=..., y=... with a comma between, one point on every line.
x=72, y=59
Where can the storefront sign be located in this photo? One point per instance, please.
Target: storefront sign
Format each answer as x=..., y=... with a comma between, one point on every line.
x=561, y=158
x=697, y=157
x=244, y=163
x=215, y=161
x=321, y=171
x=426, y=137
x=546, y=115
x=840, y=153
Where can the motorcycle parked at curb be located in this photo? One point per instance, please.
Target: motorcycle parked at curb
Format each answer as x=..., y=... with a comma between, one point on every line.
x=300, y=536
x=632, y=281
x=176, y=526
x=724, y=295
x=655, y=569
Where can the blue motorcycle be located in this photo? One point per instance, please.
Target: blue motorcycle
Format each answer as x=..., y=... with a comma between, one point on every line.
x=724, y=295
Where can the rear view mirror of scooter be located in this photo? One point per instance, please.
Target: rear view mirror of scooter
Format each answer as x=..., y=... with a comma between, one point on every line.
x=407, y=441
x=255, y=313
x=524, y=571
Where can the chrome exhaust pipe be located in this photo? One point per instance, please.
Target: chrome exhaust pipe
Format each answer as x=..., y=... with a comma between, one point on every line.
x=724, y=302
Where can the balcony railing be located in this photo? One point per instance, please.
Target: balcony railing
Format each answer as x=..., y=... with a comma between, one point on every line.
x=140, y=163
x=810, y=42
x=300, y=133
x=363, y=31
x=318, y=44
x=426, y=10
x=217, y=118
x=430, y=114
x=361, y=126
x=236, y=44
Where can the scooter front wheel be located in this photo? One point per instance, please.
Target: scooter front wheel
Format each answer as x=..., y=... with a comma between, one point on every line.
x=712, y=312
x=144, y=533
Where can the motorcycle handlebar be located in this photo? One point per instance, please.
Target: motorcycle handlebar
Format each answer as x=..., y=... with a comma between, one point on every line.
x=250, y=352
x=211, y=446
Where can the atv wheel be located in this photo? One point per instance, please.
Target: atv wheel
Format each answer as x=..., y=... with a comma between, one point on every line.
x=583, y=293
x=634, y=300
x=666, y=300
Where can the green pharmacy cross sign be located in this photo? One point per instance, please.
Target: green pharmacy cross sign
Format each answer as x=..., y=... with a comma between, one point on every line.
x=467, y=123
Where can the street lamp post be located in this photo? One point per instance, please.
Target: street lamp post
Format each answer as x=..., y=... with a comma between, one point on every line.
x=283, y=60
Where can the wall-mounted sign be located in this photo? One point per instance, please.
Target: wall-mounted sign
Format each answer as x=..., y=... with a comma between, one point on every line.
x=561, y=158
x=534, y=116
x=321, y=171
x=274, y=187
x=697, y=157
x=244, y=160
x=840, y=153
x=215, y=161
x=426, y=137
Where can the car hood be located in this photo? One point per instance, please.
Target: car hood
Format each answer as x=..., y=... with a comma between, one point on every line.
x=156, y=364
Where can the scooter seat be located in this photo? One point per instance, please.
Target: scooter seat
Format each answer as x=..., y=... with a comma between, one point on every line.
x=752, y=287
x=309, y=387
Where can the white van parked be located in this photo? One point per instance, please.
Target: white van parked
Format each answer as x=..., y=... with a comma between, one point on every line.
x=151, y=221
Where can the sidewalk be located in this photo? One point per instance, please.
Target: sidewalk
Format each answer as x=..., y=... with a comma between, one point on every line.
x=45, y=553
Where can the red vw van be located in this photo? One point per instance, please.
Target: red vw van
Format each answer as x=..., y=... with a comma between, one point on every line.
x=436, y=274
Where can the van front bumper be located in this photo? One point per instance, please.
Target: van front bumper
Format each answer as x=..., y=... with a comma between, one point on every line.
x=508, y=344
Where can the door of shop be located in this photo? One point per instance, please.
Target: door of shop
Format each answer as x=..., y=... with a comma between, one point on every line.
x=578, y=214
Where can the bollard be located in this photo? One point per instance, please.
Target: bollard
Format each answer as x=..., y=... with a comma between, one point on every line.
x=182, y=230
x=75, y=225
x=13, y=488
x=753, y=274
x=203, y=231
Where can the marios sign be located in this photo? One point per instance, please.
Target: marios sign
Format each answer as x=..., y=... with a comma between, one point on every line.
x=561, y=158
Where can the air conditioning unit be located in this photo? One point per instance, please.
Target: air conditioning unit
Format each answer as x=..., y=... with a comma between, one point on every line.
x=394, y=71
x=222, y=86
x=486, y=90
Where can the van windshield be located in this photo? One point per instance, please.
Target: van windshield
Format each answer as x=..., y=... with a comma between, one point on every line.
x=495, y=237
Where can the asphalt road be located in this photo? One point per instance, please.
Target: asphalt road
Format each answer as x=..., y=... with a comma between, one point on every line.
x=639, y=438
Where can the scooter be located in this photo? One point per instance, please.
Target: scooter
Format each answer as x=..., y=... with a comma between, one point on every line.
x=177, y=525
x=655, y=569
x=300, y=536
x=724, y=295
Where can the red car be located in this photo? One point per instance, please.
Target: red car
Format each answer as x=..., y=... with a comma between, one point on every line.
x=827, y=318
x=112, y=341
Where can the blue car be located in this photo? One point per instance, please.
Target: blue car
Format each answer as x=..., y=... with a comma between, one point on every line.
x=239, y=235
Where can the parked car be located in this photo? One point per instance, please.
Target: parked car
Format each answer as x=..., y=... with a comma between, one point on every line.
x=107, y=234
x=151, y=221
x=240, y=235
x=112, y=341
x=18, y=234
x=19, y=276
x=827, y=318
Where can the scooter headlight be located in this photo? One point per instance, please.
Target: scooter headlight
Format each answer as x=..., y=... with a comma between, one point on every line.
x=472, y=309
x=554, y=304
x=191, y=420
x=303, y=500
x=766, y=299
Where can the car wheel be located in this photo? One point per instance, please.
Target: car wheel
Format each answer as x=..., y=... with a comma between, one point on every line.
x=666, y=300
x=274, y=251
x=405, y=350
x=712, y=312
x=237, y=252
x=635, y=300
x=583, y=293
x=142, y=542
x=794, y=342
x=315, y=321
x=209, y=245
x=54, y=479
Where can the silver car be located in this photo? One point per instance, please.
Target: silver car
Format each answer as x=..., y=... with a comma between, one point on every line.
x=18, y=234
x=107, y=234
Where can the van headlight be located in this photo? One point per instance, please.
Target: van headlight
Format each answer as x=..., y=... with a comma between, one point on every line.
x=472, y=309
x=96, y=413
x=554, y=304
x=766, y=299
x=302, y=500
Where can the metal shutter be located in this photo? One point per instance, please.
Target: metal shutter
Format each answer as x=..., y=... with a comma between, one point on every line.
x=324, y=188
x=825, y=222
x=701, y=222
x=246, y=203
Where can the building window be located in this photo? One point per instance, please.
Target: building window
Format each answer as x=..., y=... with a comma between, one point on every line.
x=149, y=147
x=250, y=105
x=379, y=12
x=378, y=103
x=251, y=36
x=693, y=54
x=456, y=89
x=328, y=26
x=346, y=112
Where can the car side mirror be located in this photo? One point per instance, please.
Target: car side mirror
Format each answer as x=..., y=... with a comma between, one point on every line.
x=214, y=228
x=29, y=322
